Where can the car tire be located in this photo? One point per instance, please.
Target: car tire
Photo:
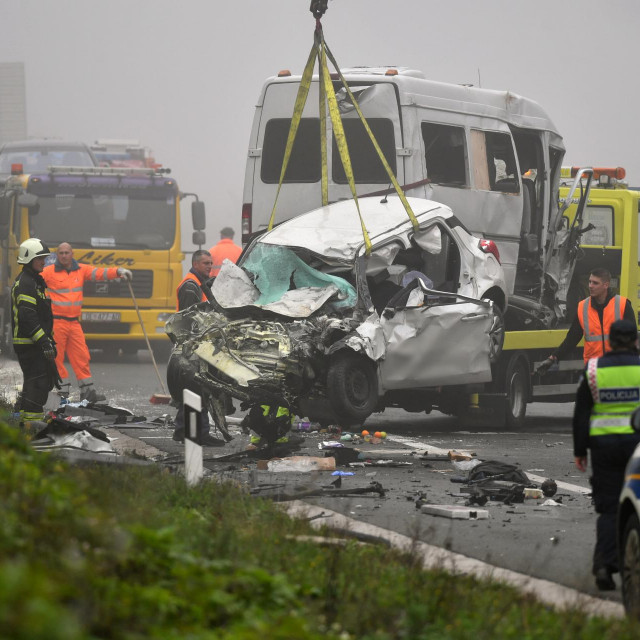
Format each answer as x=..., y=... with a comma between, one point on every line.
x=496, y=334
x=352, y=387
x=516, y=386
x=630, y=567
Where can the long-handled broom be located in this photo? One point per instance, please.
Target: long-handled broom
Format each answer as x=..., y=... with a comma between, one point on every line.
x=156, y=398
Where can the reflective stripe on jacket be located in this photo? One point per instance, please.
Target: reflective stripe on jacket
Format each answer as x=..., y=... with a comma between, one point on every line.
x=596, y=340
x=31, y=317
x=225, y=249
x=189, y=276
x=65, y=287
x=616, y=395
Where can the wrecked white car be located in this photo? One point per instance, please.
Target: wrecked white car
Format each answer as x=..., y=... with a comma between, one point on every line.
x=310, y=321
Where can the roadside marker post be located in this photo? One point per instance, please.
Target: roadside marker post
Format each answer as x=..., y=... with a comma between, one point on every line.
x=192, y=448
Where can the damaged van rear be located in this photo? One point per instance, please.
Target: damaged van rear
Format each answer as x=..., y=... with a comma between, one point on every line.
x=311, y=321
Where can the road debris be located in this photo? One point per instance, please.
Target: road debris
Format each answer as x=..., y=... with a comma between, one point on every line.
x=549, y=487
x=273, y=492
x=301, y=464
x=455, y=512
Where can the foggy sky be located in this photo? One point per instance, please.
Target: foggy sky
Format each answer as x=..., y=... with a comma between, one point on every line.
x=183, y=78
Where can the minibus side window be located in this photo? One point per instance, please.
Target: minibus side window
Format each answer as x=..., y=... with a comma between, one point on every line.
x=365, y=162
x=304, y=163
x=494, y=161
x=445, y=154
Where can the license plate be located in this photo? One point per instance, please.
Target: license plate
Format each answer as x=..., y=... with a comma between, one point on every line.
x=100, y=316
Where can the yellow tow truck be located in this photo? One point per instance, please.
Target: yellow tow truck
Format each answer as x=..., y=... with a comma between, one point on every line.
x=609, y=239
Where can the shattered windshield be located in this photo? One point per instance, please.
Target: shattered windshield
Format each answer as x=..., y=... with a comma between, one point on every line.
x=277, y=270
x=275, y=278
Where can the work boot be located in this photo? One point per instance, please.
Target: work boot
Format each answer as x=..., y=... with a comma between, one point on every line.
x=65, y=390
x=207, y=440
x=88, y=393
x=604, y=579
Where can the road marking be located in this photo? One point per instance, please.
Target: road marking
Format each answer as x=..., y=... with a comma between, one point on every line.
x=561, y=485
x=551, y=593
x=430, y=449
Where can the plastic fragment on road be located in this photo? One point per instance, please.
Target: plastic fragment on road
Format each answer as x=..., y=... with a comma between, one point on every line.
x=454, y=512
x=550, y=502
x=465, y=465
x=460, y=455
x=536, y=494
x=301, y=464
x=343, y=473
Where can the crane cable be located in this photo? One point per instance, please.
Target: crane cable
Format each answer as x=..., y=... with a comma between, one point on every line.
x=327, y=97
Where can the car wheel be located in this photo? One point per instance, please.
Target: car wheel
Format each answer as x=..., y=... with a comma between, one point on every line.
x=352, y=387
x=630, y=569
x=516, y=385
x=496, y=334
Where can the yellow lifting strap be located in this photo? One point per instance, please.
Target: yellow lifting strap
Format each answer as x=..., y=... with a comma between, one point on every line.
x=343, y=149
x=392, y=178
x=301, y=99
x=322, y=110
x=327, y=97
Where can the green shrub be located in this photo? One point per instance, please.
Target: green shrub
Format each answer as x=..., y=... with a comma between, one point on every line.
x=123, y=552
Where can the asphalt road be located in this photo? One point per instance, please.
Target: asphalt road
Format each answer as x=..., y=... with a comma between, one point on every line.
x=551, y=542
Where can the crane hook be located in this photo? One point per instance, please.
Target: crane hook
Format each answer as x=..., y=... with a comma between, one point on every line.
x=318, y=8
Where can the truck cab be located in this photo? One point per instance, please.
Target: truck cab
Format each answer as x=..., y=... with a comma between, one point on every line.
x=112, y=218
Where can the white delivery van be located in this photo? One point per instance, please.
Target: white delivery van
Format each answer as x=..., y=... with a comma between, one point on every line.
x=492, y=156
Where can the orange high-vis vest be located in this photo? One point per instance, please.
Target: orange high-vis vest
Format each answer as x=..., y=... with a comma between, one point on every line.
x=65, y=287
x=189, y=276
x=226, y=248
x=596, y=337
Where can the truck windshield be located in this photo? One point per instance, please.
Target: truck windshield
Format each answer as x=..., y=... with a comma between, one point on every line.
x=37, y=160
x=118, y=221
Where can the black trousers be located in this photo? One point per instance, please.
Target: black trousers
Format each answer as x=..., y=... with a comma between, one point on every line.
x=37, y=377
x=608, y=463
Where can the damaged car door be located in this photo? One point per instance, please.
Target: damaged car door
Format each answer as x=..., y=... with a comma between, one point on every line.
x=444, y=341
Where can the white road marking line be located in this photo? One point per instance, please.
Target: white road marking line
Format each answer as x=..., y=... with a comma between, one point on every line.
x=551, y=593
x=561, y=485
x=418, y=444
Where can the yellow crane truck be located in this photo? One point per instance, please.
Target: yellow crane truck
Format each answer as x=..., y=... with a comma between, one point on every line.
x=124, y=217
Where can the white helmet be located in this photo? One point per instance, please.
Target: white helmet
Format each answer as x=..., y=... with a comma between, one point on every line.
x=30, y=249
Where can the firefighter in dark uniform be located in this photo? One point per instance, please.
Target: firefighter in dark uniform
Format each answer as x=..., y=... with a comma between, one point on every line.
x=607, y=395
x=32, y=331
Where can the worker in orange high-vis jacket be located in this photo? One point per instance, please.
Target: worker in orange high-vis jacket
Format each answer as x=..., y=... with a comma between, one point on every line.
x=193, y=289
x=593, y=319
x=225, y=249
x=65, y=279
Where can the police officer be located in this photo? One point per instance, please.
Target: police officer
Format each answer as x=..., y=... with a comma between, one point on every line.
x=32, y=329
x=607, y=395
x=593, y=320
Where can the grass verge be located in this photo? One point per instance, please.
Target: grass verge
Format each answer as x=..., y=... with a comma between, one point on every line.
x=130, y=552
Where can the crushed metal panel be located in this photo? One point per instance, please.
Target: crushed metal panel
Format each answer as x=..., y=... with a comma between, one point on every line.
x=233, y=287
x=369, y=339
x=229, y=365
x=450, y=346
x=301, y=303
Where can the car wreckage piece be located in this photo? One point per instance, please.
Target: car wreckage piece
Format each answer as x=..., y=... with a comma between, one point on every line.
x=309, y=321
